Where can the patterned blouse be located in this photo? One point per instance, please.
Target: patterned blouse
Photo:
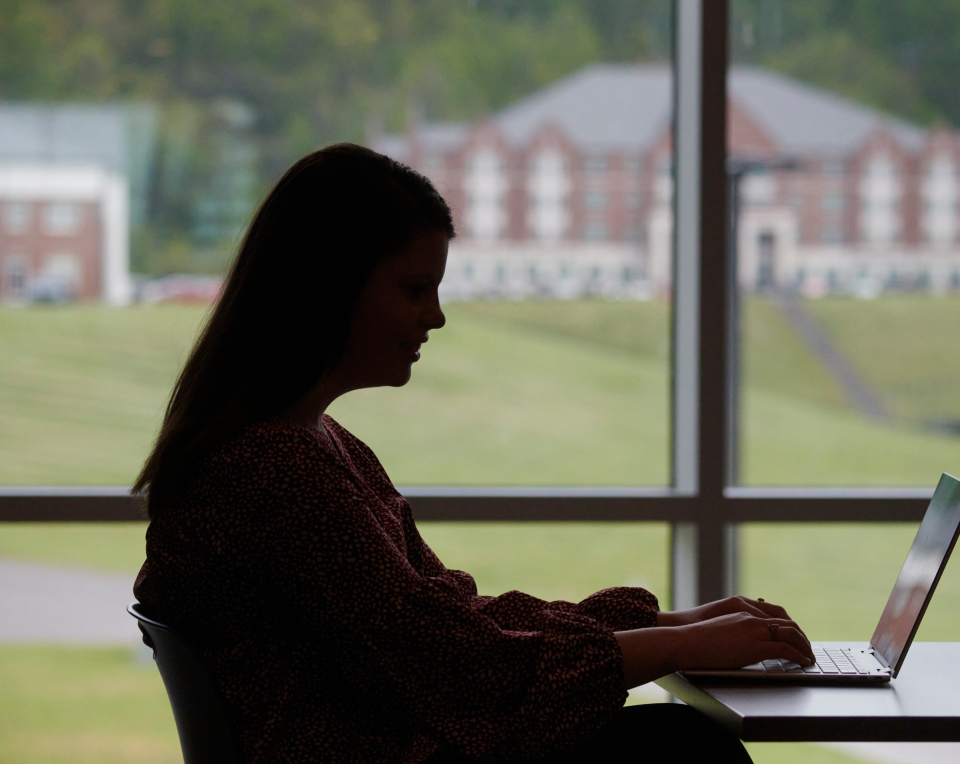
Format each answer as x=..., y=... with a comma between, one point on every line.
x=336, y=634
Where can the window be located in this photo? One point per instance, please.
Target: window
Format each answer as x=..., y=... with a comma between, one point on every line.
x=940, y=195
x=831, y=234
x=880, y=189
x=663, y=184
x=16, y=217
x=595, y=232
x=548, y=189
x=832, y=169
x=15, y=277
x=485, y=186
x=731, y=459
x=832, y=204
x=62, y=218
x=595, y=201
x=595, y=165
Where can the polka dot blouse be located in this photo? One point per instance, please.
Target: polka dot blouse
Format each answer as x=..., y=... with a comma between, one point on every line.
x=335, y=633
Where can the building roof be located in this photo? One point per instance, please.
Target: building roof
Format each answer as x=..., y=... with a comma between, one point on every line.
x=625, y=108
x=600, y=108
x=803, y=119
x=63, y=134
x=118, y=138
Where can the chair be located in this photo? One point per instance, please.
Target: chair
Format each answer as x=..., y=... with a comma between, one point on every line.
x=207, y=735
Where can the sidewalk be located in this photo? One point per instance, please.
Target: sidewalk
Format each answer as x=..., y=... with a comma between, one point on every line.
x=47, y=604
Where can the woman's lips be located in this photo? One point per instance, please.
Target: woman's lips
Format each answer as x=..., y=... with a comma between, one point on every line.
x=413, y=348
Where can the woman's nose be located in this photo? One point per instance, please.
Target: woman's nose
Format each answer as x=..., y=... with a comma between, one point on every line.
x=435, y=319
x=438, y=319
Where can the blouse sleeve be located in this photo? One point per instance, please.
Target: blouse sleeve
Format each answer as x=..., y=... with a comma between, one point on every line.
x=487, y=677
x=619, y=608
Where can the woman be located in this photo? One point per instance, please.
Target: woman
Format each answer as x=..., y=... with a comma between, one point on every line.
x=279, y=545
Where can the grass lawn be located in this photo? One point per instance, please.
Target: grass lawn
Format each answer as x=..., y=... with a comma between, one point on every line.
x=508, y=393
x=97, y=706
x=907, y=347
x=63, y=705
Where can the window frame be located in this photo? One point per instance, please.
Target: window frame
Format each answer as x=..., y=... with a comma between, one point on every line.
x=703, y=505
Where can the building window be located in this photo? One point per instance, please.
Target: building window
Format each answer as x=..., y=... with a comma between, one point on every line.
x=15, y=277
x=832, y=234
x=595, y=165
x=633, y=165
x=486, y=186
x=832, y=203
x=633, y=233
x=663, y=184
x=632, y=202
x=595, y=200
x=62, y=218
x=63, y=271
x=880, y=190
x=16, y=217
x=759, y=187
x=595, y=232
x=548, y=188
x=939, y=190
x=832, y=168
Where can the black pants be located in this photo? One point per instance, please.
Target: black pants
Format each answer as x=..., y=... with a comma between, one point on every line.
x=658, y=732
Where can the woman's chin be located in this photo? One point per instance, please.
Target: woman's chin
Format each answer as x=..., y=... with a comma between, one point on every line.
x=402, y=377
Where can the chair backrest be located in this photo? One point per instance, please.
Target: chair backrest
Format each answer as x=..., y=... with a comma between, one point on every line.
x=206, y=734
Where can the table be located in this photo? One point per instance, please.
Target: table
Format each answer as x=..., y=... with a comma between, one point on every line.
x=921, y=705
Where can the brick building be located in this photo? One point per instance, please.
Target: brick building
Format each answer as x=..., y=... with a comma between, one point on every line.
x=568, y=191
x=64, y=202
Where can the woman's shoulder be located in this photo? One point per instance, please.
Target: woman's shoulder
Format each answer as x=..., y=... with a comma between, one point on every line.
x=270, y=444
x=360, y=456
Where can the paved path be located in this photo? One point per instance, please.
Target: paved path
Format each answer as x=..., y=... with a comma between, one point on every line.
x=46, y=604
x=836, y=363
x=54, y=605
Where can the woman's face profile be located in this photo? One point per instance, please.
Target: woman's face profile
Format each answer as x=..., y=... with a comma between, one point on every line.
x=394, y=314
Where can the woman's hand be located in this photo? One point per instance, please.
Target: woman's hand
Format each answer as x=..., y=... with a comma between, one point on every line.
x=730, y=640
x=730, y=605
x=739, y=639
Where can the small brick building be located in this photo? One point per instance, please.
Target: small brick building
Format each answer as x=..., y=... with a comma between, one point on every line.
x=64, y=203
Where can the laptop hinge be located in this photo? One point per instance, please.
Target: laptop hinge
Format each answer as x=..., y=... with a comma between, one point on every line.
x=876, y=654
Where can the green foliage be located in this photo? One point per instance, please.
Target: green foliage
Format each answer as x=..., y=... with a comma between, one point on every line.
x=899, y=55
x=835, y=60
x=311, y=72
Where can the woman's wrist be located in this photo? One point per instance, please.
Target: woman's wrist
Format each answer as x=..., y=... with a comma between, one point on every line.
x=668, y=618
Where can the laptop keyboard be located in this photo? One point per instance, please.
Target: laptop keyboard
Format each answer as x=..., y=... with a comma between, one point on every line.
x=831, y=660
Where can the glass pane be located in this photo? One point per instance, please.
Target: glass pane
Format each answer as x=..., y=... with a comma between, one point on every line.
x=138, y=149
x=141, y=139
x=846, y=165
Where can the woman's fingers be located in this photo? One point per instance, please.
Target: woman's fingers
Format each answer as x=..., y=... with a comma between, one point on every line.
x=788, y=652
x=785, y=632
x=772, y=611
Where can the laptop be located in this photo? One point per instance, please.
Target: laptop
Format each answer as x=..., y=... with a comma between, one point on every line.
x=898, y=625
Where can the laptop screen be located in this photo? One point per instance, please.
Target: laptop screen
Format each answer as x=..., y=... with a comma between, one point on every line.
x=919, y=575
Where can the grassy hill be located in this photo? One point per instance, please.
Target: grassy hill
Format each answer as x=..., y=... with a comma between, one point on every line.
x=508, y=393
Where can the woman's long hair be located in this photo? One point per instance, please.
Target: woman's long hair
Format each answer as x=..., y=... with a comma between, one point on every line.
x=283, y=318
